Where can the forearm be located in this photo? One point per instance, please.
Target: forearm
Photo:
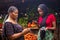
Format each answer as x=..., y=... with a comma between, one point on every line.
x=51, y=28
x=15, y=36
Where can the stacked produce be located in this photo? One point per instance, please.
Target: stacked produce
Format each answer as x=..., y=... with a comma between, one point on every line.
x=30, y=36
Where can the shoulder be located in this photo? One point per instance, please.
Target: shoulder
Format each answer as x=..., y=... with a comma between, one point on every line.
x=7, y=23
x=51, y=15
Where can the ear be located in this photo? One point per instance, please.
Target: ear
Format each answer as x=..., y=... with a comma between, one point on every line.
x=10, y=13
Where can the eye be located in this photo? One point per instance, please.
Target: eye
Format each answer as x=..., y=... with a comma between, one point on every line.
x=16, y=12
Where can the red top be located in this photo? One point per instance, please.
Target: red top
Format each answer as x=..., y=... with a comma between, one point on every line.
x=51, y=18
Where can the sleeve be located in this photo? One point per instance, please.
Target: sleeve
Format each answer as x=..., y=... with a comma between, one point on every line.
x=9, y=29
x=53, y=18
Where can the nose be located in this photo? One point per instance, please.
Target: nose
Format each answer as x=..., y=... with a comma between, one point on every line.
x=16, y=14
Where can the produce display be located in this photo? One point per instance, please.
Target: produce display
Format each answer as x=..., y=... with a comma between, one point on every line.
x=32, y=25
x=23, y=21
x=1, y=25
x=30, y=36
x=29, y=25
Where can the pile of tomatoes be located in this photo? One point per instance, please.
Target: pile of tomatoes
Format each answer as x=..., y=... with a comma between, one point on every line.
x=30, y=36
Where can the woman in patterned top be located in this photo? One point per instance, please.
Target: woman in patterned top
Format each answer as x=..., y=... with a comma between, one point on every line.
x=12, y=30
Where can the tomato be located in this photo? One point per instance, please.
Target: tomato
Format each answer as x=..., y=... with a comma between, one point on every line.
x=30, y=36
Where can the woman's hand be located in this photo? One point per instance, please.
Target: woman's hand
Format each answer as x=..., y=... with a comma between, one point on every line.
x=46, y=28
x=26, y=30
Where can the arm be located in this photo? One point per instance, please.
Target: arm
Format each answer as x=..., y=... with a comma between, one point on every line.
x=54, y=26
x=17, y=35
x=14, y=36
x=10, y=32
x=53, y=20
x=0, y=31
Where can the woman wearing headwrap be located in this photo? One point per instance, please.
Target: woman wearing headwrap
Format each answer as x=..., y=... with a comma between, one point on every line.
x=47, y=23
x=11, y=29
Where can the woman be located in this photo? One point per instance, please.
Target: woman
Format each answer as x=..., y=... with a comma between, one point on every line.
x=47, y=22
x=12, y=30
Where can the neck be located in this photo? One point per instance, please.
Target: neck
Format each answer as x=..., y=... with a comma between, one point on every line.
x=11, y=19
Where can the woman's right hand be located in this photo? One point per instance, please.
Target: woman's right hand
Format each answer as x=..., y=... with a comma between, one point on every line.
x=26, y=30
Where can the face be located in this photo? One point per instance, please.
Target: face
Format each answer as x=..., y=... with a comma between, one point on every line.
x=40, y=11
x=14, y=14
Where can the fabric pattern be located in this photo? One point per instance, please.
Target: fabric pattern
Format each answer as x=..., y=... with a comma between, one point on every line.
x=10, y=29
x=48, y=36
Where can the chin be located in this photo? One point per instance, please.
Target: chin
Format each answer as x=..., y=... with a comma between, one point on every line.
x=14, y=18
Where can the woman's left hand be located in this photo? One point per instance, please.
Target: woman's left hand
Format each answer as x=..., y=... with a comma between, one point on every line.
x=46, y=28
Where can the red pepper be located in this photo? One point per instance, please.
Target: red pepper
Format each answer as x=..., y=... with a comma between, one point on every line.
x=1, y=25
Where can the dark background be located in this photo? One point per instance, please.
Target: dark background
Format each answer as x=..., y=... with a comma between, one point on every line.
x=23, y=5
